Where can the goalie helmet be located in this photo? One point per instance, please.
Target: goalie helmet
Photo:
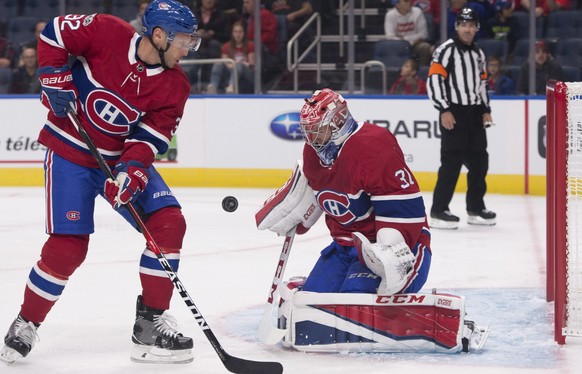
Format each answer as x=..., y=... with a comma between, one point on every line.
x=174, y=18
x=326, y=123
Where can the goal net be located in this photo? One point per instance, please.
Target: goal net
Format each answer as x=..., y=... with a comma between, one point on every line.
x=564, y=206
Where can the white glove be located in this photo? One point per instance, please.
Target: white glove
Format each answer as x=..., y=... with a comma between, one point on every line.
x=292, y=205
x=389, y=258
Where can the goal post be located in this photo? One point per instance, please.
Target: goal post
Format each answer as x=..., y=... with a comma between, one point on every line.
x=564, y=206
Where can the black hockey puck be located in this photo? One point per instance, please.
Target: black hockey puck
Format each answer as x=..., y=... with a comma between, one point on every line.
x=229, y=203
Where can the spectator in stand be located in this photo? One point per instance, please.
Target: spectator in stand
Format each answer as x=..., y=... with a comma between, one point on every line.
x=214, y=29
x=296, y=11
x=455, y=7
x=271, y=63
x=37, y=30
x=242, y=51
x=136, y=23
x=432, y=7
x=24, y=79
x=504, y=26
x=405, y=22
x=409, y=83
x=546, y=68
x=232, y=8
x=497, y=82
x=7, y=53
x=545, y=7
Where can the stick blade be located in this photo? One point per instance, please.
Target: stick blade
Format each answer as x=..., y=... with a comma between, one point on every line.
x=241, y=366
x=268, y=333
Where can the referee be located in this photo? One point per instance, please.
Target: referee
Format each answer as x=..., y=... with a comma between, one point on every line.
x=457, y=87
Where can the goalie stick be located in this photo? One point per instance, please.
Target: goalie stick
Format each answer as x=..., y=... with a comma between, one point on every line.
x=232, y=364
x=268, y=333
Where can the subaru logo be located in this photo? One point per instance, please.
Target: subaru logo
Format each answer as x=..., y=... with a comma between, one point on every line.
x=286, y=126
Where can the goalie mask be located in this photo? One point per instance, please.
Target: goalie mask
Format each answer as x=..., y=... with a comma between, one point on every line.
x=326, y=123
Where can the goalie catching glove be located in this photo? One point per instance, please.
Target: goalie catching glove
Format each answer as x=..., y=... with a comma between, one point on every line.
x=292, y=205
x=131, y=178
x=389, y=258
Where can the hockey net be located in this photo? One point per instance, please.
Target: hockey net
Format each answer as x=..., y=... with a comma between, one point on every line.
x=564, y=206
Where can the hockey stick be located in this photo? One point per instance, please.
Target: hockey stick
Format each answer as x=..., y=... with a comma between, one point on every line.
x=268, y=333
x=232, y=364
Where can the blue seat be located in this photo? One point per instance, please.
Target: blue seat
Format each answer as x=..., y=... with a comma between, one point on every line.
x=431, y=27
x=564, y=24
x=8, y=9
x=20, y=30
x=512, y=71
x=392, y=53
x=126, y=10
x=569, y=51
x=494, y=47
x=523, y=22
x=43, y=9
x=86, y=6
x=5, y=76
x=520, y=52
x=572, y=73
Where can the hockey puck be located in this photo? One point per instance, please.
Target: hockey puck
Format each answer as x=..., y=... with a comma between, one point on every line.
x=229, y=204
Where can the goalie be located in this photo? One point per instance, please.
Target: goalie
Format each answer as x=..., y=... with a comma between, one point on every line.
x=355, y=174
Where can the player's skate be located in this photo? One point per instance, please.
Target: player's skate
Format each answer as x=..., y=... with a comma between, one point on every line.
x=483, y=218
x=474, y=337
x=444, y=220
x=156, y=339
x=19, y=340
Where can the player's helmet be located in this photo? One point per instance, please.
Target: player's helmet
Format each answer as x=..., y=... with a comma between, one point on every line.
x=172, y=17
x=467, y=15
x=326, y=111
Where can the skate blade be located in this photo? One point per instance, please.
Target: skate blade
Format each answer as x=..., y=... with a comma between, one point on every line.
x=478, y=221
x=155, y=355
x=479, y=337
x=9, y=355
x=445, y=225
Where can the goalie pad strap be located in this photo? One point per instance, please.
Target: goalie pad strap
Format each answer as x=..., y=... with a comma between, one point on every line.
x=332, y=322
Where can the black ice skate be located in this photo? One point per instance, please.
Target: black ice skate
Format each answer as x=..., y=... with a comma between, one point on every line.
x=19, y=340
x=444, y=220
x=483, y=218
x=156, y=339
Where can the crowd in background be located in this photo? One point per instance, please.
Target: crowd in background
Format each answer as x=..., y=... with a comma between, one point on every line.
x=226, y=27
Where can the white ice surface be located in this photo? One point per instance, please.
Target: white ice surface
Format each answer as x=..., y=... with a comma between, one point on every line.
x=227, y=266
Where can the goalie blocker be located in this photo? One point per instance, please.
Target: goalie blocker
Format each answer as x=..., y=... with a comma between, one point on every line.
x=333, y=322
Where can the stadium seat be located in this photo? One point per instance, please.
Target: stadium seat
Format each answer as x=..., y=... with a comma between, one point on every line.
x=5, y=76
x=8, y=9
x=572, y=73
x=569, y=51
x=523, y=22
x=564, y=24
x=512, y=72
x=431, y=27
x=86, y=6
x=392, y=53
x=126, y=10
x=43, y=9
x=520, y=52
x=494, y=47
x=20, y=30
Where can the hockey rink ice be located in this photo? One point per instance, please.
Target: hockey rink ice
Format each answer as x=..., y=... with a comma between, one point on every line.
x=227, y=266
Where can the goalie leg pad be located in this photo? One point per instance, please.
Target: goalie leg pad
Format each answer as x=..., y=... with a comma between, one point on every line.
x=376, y=323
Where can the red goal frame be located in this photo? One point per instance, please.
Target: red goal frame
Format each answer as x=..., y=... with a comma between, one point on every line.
x=556, y=153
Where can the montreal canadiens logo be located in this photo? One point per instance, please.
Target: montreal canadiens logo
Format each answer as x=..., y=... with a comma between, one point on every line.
x=336, y=205
x=110, y=113
x=286, y=126
x=73, y=215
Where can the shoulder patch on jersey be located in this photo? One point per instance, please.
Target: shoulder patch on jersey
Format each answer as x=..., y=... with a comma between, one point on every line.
x=87, y=21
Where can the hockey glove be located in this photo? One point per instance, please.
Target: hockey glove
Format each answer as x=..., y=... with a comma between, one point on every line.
x=130, y=179
x=57, y=89
x=389, y=258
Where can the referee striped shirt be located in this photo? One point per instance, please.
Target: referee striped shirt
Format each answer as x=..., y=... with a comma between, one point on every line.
x=458, y=75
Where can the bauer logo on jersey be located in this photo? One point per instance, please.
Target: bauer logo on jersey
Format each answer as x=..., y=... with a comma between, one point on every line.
x=110, y=113
x=286, y=126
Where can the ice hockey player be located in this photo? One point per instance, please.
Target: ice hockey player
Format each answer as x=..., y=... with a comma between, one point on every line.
x=362, y=294
x=129, y=92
